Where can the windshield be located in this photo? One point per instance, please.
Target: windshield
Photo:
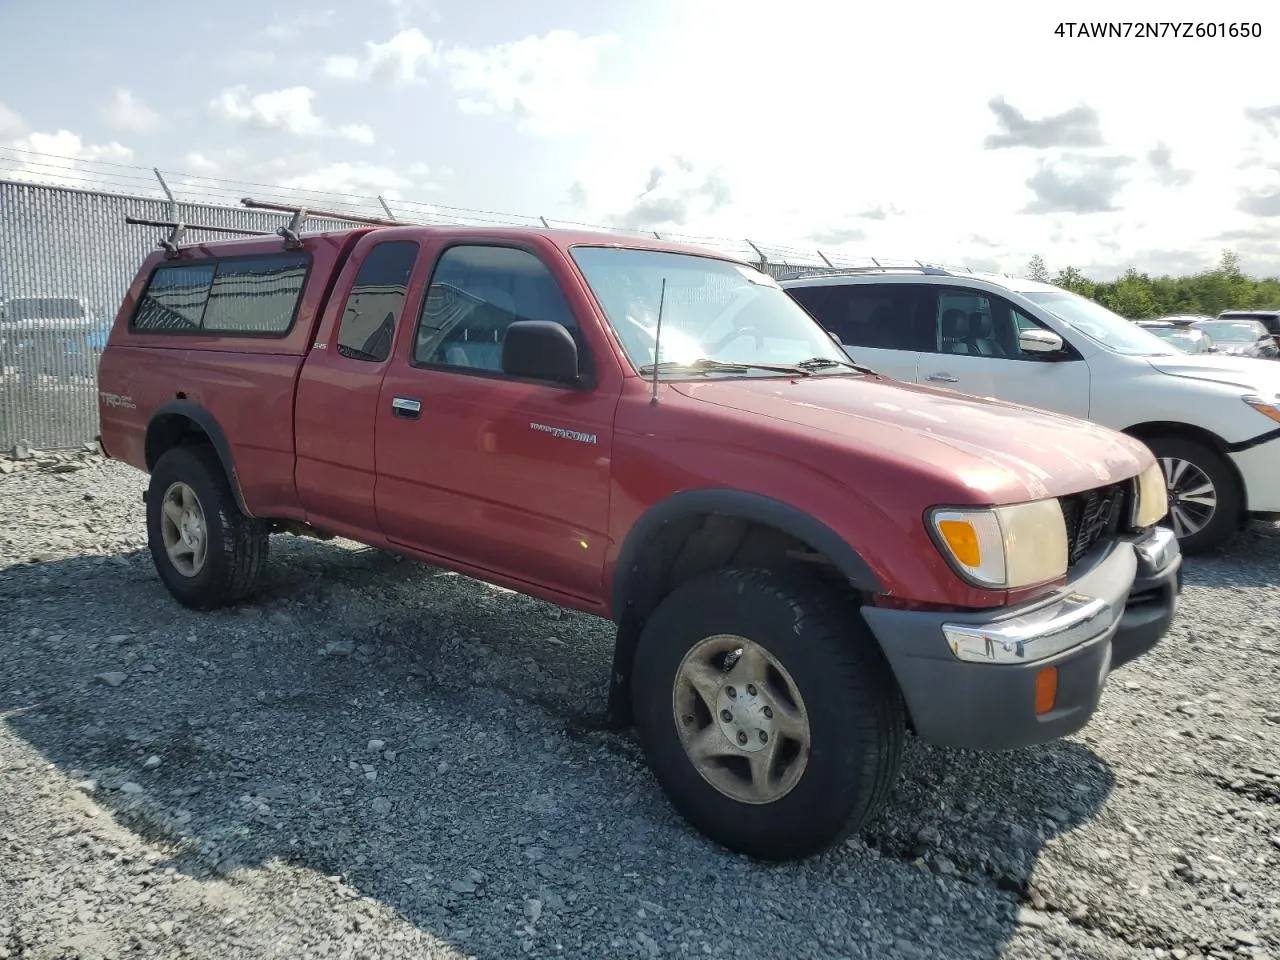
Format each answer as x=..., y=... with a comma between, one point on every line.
x=46, y=308
x=1101, y=325
x=1233, y=332
x=713, y=310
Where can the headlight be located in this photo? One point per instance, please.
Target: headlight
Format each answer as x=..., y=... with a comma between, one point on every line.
x=1153, y=498
x=1268, y=408
x=1006, y=547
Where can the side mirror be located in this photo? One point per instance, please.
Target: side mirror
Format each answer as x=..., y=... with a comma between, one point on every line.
x=836, y=337
x=540, y=350
x=1039, y=341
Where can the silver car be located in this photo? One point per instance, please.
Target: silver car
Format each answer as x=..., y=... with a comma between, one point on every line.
x=1240, y=338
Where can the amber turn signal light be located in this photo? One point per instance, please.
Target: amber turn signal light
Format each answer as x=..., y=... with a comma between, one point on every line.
x=1046, y=690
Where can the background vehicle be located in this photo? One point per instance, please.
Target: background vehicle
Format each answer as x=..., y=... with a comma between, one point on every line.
x=1240, y=338
x=50, y=335
x=1213, y=421
x=497, y=402
x=1188, y=339
x=1179, y=319
x=1268, y=318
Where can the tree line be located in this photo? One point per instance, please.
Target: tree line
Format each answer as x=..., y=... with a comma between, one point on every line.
x=1140, y=296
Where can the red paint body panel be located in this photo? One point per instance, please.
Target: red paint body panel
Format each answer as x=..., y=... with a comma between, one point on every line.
x=536, y=487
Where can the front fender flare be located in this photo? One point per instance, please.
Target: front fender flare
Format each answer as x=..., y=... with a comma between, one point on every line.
x=628, y=576
x=748, y=506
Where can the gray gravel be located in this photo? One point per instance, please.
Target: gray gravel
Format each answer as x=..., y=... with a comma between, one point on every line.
x=380, y=759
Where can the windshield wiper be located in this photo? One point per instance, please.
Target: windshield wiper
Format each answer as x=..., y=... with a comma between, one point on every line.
x=819, y=363
x=721, y=366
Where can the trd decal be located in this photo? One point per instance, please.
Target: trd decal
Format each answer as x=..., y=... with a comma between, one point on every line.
x=115, y=400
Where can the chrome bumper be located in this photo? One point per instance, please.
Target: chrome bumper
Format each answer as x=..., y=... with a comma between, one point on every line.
x=1070, y=621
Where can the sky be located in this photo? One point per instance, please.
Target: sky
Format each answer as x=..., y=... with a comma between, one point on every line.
x=966, y=134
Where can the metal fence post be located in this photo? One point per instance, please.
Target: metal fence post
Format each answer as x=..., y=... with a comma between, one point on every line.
x=173, y=204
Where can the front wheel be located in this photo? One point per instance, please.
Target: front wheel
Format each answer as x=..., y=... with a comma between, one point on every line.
x=767, y=713
x=1205, y=498
x=206, y=551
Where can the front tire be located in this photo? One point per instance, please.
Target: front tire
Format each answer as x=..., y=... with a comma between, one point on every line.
x=207, y=553
x=1206, y=502
x=767, y=713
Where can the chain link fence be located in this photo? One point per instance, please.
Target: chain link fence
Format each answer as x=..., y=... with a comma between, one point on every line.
x=66, y=258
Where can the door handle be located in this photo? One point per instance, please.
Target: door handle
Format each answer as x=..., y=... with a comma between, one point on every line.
x=404, y=407
x=942, y=378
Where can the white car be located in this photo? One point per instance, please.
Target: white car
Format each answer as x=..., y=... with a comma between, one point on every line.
x=1213, y=422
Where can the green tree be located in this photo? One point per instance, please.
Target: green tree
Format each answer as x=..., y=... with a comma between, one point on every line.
x=1036, y=270
x=1138, y=295
x=1069, y=278
x=1131, y=296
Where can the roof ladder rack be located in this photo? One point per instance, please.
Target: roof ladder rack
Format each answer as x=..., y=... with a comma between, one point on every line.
x=292, y=232
x=178, y=229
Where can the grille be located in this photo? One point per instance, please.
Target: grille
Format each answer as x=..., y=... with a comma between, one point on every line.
x=1092, y=517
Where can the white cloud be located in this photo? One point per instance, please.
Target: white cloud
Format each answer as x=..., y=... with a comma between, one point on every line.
x=546, y=81
x=289, y=28
x=676, y=193
x=288, y=110
x=214, y=163
x=342, y=66
x=357, y=179
x=403, y=59
x=129, y=113
x=11, y=123
x=64, y=159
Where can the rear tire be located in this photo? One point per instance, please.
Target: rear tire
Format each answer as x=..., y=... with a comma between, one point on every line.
x=207, y=553
x=1206, y=502
x=809, y=671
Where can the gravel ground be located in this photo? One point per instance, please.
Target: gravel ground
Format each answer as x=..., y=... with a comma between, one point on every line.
x=380, y=759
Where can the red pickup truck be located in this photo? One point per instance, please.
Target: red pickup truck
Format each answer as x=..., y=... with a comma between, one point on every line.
x=804, y=560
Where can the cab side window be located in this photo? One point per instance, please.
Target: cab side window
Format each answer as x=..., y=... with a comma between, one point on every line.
x=863, y=315
x=476, y=292
x=975, y=324
x=373, y=308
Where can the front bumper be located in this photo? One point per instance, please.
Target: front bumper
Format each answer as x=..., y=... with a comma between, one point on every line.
x=969, y=679
x=1259, y=464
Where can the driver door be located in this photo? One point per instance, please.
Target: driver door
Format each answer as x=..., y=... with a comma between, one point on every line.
x=505, y=475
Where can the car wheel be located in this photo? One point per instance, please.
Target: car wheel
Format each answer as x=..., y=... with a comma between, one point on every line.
x=207, y=553
x=767, y=713
x=1205, y=499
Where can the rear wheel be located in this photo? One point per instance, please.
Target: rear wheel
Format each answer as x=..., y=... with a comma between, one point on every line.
x=1205, y=500
x=767, y=713
x=207, y=553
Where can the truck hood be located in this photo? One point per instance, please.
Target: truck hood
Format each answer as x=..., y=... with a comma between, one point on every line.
x=1003, y=452
x=1248, y=373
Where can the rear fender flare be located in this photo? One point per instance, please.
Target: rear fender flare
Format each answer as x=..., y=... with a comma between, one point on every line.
x=208, y=424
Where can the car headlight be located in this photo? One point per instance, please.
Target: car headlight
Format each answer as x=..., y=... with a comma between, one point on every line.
x=1153, y=498
x=1268, y=408
x=1005, y=548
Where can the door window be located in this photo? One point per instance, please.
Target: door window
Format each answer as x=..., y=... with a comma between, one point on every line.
x=975, y=324
x=478, y=291
x=377, y=297
x=863, y=315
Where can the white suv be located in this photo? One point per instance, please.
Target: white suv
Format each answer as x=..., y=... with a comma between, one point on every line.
x=1214, y=422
